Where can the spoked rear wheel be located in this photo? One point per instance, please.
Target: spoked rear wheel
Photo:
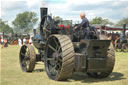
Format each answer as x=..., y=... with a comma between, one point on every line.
x=59, y=57
x=27, y=58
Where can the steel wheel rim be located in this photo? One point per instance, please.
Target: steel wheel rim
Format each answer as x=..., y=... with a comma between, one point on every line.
x=53, y=57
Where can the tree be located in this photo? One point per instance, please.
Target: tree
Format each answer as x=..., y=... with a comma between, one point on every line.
x=100, y=20
x=4, y=27
x=57, y=18
x=24, y=22
x=121, y=22
x=60, y=20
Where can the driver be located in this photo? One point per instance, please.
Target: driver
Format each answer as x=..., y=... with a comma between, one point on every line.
x=84, y=25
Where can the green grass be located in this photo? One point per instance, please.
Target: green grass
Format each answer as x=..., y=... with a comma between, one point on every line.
x=11, y=73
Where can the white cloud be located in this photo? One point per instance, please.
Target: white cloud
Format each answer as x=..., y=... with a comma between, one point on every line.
x=68, y=9
x=32, y=3
x=0, y=10
x=125, y=13
x=76, y=2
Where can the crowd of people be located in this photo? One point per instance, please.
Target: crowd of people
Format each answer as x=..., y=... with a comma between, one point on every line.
x=4, y=42
x=24, y=41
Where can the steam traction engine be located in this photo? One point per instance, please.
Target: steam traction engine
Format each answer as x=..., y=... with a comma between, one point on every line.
x=65, y=51
x=121, y=43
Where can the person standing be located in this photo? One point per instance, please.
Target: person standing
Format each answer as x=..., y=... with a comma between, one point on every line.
x=30, y=41
x=19, y=42
x=2, y=42
x=24, y=41
x=5, y=43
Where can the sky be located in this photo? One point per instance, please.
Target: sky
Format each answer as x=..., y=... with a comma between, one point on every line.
x=114, y=10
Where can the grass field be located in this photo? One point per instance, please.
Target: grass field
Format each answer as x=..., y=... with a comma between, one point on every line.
x=11, y=73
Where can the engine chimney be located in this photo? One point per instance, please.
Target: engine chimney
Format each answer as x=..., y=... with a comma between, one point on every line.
x=43, y=11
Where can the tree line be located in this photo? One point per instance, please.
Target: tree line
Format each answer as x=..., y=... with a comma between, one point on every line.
x=25, y=22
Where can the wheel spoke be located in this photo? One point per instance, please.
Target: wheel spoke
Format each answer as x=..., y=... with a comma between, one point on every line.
x=52, y=48
x=27, y=63
x=52, y=69
x=52, y=63
x=23, y=62
x=60, y=56
x=50, y=59
x=57, y=46
x=58, y=49
x=27, y=51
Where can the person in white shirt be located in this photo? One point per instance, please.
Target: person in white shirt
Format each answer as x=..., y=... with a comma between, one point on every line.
x=24, y=41
x=2, y=43
x=20, y=42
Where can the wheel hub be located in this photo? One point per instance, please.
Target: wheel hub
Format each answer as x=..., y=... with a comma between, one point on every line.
x=57, y=60
x=56, y=57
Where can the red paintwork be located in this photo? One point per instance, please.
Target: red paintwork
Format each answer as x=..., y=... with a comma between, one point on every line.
x=61, y=26
x=67, y=27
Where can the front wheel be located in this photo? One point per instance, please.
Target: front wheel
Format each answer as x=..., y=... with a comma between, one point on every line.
x=27, y=58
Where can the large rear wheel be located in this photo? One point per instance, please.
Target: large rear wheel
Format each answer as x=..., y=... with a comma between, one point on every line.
x=59, y=57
